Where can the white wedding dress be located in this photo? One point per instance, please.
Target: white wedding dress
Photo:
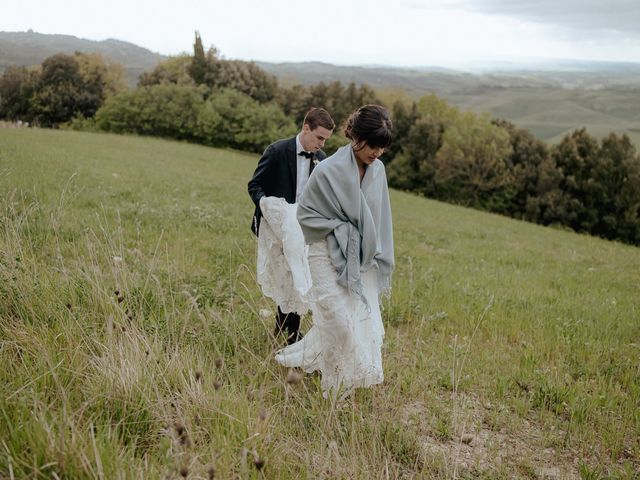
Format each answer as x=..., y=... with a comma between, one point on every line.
x=283, y=269
x=345, y=340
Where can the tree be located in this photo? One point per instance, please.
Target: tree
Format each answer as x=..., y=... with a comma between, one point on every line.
x=535, y=177
x=172, y=70
x=471, y=164
x=404, y=116
x=601, y=185
x=337, y=99
x=17, y=87
x=413, y=168
x=617, y=173
x=246, y=77
x=61, y=92
x=294, y=101
x=217, y=73
x=102, y=78
x=576, y=156
x=199, y=67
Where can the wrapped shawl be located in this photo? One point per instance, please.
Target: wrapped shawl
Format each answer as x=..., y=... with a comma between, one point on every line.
x=354, y=218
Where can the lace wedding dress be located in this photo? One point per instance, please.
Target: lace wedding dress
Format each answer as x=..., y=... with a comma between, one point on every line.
x=283, y=269
x=345, y=340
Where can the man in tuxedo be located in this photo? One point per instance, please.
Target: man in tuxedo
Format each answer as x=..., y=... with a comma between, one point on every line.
x=283, y=171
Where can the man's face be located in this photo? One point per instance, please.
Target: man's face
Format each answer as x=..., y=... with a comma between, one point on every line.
x=313, y=140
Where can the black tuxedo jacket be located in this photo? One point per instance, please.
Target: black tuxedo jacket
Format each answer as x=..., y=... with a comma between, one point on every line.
x=276, y=175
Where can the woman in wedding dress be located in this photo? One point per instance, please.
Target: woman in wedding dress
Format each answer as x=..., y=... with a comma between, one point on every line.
x=345, y=216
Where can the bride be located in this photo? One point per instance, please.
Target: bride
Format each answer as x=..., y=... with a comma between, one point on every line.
x=345, y=217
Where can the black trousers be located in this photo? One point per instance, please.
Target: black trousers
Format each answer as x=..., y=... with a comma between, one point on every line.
x=287, y=322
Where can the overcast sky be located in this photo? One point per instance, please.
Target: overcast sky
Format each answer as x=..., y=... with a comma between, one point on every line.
x=351, y=32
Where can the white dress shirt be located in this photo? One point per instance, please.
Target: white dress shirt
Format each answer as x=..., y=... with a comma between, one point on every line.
x=303, y=164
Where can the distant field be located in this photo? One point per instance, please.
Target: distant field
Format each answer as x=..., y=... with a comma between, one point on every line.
x=131, y=343
x=550, y=114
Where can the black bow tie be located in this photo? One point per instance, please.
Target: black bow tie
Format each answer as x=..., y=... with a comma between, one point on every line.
x=308, y=155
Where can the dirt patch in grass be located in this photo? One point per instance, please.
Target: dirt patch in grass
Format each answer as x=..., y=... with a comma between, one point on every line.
x=472, y=442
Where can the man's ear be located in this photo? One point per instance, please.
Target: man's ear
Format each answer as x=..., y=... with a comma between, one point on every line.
x=306, y=128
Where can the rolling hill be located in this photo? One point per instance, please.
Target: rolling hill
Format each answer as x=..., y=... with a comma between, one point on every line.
x=551, y=102
x=31, y=48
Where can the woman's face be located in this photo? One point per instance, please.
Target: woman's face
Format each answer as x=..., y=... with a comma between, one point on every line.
x=365, y=154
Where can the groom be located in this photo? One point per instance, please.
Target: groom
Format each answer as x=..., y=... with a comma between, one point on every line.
x=283, y=171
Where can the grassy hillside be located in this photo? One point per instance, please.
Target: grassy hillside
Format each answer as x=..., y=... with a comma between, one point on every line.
x=132, y=343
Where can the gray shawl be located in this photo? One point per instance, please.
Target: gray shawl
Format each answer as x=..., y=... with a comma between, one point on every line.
x=354, y=218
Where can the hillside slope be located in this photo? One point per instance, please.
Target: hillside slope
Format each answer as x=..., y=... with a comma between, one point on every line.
x=132, y=341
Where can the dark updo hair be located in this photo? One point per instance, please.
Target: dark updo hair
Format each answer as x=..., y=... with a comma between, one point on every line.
x=370, y=124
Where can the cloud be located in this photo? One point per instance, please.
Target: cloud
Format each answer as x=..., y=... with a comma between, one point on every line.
x=616, y=17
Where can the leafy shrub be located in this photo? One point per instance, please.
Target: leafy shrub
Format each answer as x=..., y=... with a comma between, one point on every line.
x=243, y=122
x=226, y=118
x=166, y=110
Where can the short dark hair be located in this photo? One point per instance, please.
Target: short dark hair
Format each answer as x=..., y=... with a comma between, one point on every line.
x=370, y=124
x=316, y=117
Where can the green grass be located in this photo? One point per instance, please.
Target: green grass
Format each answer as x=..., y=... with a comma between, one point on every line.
x=510, y=348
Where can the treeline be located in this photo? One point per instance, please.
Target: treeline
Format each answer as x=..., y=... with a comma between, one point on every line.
x=439, y=151
x=587, y=185
x=63, y=87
